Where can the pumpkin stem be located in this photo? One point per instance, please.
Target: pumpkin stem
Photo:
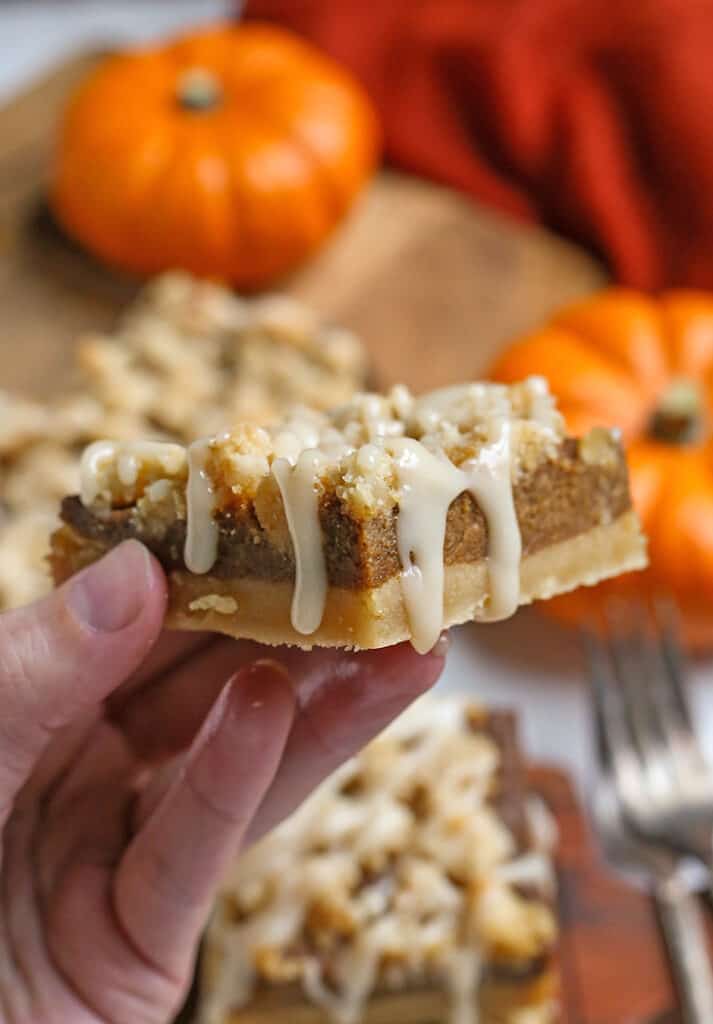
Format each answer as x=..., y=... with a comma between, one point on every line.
x=198, y=90
x=678, y=417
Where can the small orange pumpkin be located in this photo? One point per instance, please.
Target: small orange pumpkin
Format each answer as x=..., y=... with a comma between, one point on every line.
x=232, y=152
x=645, y=365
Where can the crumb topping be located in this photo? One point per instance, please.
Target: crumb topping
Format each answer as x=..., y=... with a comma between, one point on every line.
x=192, y=358
x=216, y=603
x=356, y=442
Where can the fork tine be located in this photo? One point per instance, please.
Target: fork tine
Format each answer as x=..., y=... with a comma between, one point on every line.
x=615, y=748
x=669, y=696
x=596, y=675
x=665, y=617
x=630, y=661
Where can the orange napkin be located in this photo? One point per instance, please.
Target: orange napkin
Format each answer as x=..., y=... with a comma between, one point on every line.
x=594, y=117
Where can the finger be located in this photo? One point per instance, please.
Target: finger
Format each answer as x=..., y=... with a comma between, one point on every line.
x=154, y=789
x=342, y=704
x=163, y=719
x=166, y=880
x=66, y=653
x=344, y=699
x=171, y=649
x=85, y=815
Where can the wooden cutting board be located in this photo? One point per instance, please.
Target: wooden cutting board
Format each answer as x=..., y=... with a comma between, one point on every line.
x=614, y=969
x=432, y=282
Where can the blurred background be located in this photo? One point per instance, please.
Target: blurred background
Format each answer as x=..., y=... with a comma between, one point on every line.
x=438, y=191
x=36, y=36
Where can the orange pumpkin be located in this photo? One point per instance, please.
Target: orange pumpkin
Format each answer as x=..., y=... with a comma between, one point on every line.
x=645, y=365
x=231, y=152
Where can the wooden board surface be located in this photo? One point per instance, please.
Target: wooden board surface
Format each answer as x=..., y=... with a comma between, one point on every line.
x=614, y=969
x=431, y=282
x=434, y=285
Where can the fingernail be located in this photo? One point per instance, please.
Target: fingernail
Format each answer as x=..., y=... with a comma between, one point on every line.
x=110, y=595
x=259, y=676
x=440, y=648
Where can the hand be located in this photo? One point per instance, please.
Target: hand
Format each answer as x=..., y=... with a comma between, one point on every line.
x=134, y=766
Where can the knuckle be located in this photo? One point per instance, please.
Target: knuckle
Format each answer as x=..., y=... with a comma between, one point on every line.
x=38, y=643
x=228, y=816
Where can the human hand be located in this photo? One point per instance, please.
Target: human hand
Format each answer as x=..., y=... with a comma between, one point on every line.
x=133, y=768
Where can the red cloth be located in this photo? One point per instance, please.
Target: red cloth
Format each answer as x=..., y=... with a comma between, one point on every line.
x=592, y=116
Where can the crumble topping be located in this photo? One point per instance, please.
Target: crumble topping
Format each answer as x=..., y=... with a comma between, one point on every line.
x=214, y=602
x=398, y=871
x=355, y=439
x=193, y=358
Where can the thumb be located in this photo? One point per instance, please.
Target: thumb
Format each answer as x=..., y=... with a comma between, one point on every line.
x=67, y=652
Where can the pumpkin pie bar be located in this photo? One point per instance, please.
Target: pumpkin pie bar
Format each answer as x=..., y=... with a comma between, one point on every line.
x=416, y=886
x=387, y=519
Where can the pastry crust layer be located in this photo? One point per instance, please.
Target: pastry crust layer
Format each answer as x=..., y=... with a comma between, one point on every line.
x=499, y=1002
x=259, y=610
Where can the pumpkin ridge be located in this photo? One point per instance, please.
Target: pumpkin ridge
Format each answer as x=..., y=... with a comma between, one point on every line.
x=138, y=228
x=585, y=320
x=312, y=158
x=337, y=203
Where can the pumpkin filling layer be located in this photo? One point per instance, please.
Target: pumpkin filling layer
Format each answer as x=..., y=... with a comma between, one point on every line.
x=394, y=497
x=415, y=885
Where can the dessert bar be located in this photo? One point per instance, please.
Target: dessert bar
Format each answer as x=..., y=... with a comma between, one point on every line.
x=387, y=519
x=415, y=886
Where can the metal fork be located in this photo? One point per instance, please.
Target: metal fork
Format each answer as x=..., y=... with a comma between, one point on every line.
x=664, y=782
x=637, y=772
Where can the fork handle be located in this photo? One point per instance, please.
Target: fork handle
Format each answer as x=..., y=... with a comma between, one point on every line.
x=684, y=932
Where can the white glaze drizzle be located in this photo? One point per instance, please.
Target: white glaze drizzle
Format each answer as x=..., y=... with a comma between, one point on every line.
x=201, y=548
x=128, y=457
x=490, y=482
x=300, y=498
x=463, y=971
x=428, y=485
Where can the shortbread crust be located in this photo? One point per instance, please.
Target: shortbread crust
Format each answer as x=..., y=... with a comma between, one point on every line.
x=260, y=610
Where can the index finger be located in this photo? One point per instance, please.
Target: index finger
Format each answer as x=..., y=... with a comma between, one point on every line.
x=162, y=719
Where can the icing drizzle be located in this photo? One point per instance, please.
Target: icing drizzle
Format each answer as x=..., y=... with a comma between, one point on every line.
x=297, y=485
x=201, y=548
x=428, y=485
x=127, y=457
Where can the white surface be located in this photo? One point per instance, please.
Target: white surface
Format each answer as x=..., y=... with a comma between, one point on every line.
x=35, y=36
x=527, y=663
